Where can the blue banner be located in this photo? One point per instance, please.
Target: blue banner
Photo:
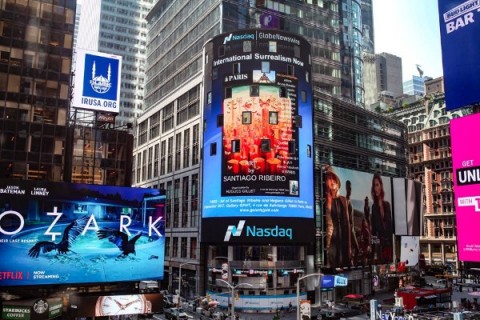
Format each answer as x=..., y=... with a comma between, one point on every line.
x=459, y=29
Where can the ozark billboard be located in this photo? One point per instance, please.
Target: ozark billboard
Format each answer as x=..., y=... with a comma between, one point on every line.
x=466, y=178
x=97, y=81
x=258, y=139
x=60, y=233
x=459, y=26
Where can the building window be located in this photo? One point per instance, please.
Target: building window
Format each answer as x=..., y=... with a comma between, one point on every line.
x=176, y=203
x=196, y=145
x=168, y=117
x=194, y=201
x=185, y=195
x=178, y=150
x=183, y=251
x=155, y=160
x=186, y=148
x=170, y=155
x=175, y=247
x=163, y=154
x=167, y=246
x=144, y=165
x=150, y=161
x=193, y=248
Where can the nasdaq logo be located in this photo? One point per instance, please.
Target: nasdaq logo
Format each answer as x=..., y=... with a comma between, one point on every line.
x=235, y=231
x=246, y=36
x=275, y=232
x=257, y=232
x=227, y=38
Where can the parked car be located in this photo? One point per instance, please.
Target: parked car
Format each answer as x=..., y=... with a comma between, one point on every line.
x=175, y=314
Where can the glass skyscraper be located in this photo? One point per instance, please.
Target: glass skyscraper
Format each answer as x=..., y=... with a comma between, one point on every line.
x=35, y=63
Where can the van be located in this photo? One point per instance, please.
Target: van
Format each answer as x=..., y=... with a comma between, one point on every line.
x=148, y=286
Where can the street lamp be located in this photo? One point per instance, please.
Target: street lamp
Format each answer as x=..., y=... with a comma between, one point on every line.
x=180, y=279
x=298, y=290
x=232, y=287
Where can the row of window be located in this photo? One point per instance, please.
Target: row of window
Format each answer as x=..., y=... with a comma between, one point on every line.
x=163, y=71
x=182, y=247
x=186, y=107
x=168, y=155
x=36, y=60
x=41, y=9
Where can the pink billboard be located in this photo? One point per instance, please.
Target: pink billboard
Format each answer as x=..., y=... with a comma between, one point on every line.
x=466, y=167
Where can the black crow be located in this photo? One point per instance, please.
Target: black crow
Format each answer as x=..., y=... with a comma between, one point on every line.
x=120, y=239
x=69, y=234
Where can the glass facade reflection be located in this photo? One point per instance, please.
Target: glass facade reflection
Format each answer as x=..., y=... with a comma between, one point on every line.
x=35, y=62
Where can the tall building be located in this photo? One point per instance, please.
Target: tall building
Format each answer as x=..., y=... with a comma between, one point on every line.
x=382, y=74
x=352, y=49
x=77, y=23
x=368, y=26
x=119, y=27
x=35, y=64
x=171, y=61
x=168, y=134
x=430, y=162
x=414, y=86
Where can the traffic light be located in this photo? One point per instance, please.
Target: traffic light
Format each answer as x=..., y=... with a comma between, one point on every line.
x=236, y=296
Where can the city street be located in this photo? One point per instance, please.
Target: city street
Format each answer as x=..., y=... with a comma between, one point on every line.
x=380, y=297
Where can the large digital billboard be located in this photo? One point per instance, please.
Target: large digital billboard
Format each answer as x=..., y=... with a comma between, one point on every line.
x=61, y=233
x=459, y=25
x=363, y=212
x=97, y=81
x=466, y=175
x=257, y=151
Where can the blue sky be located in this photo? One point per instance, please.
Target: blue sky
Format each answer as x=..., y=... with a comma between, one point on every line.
x=409, y=29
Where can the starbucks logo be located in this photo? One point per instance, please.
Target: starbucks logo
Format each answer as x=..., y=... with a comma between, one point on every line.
x=40, y=306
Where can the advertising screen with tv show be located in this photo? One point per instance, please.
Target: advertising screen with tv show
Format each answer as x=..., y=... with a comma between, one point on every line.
x=60, y=233
x=361, y=212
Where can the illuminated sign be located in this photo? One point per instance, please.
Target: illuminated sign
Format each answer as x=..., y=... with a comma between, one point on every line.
x=253, y=231
x=258, y=139
x=353, y=204
x=459, y=24
x=466, y=169
x=327, y=281
x=97, y=81
x=340, y=281
x=57, y=233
